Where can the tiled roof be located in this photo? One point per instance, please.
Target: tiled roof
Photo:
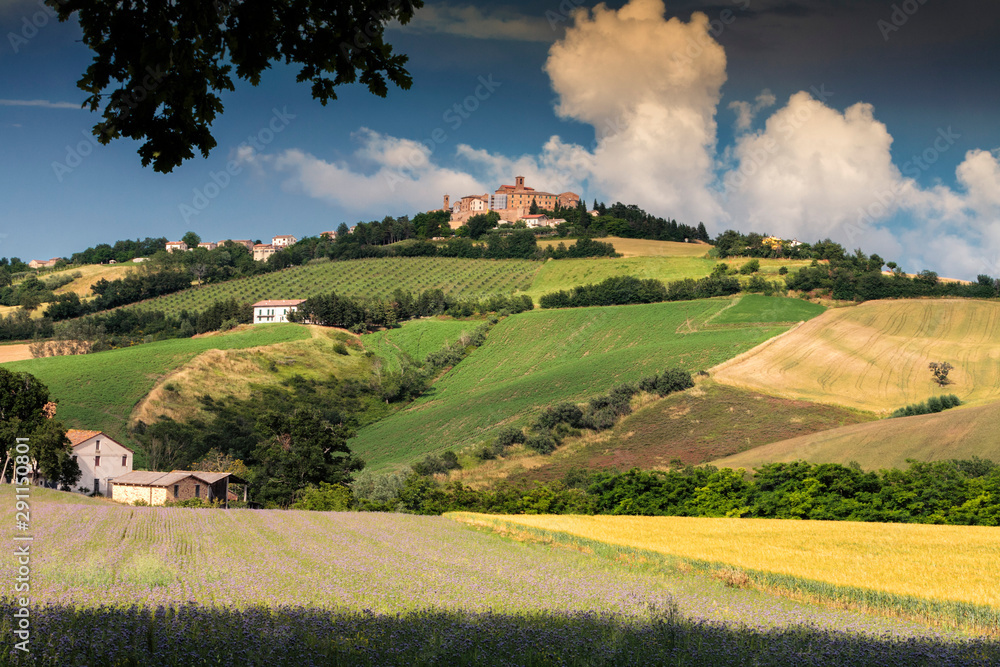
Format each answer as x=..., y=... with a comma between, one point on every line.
x=270, y=303
x=77, y=435
x=155, y=478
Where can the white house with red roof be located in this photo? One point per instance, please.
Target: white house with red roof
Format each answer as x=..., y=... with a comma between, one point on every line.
x=536, y=220
x=274, y=310
x=283, y=240
x=101, y=460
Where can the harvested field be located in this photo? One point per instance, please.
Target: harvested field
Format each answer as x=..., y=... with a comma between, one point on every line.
x=956, y=434
x=875, y=356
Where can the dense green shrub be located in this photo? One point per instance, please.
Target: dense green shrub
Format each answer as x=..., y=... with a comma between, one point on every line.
x=932, y=404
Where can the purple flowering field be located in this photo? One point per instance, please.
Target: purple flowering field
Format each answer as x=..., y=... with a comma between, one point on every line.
x=185, y=586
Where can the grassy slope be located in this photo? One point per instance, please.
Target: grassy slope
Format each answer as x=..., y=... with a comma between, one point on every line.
x=643, y=247
x=232, y=372
x=874, y=356
x=91, y=274
x=956, y=434
x=540, y=358
x=694, y=426
x=567, y=273
x=98, y=391
x=363, y=277
x=417, y=338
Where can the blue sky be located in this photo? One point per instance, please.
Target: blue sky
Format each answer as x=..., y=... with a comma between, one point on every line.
x=873, y=123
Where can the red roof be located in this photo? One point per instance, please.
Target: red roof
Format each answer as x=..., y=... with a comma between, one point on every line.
x=536, y=215
x=77, y=435
x=269, y=303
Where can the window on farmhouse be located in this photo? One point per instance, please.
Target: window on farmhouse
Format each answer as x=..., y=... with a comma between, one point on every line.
x=97, y=447
x=124, y=460
x=176, y=489
x=197, y=490
x=97, y=461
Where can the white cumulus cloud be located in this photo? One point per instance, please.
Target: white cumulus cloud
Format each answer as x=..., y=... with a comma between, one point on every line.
x=386, y=174
x=650, y=88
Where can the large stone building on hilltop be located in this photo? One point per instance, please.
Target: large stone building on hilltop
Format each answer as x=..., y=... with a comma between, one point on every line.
x=512, y=202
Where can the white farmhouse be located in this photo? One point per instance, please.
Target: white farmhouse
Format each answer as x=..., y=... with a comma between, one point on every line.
x=283, y=241
x=274, y=310
x=101, y=460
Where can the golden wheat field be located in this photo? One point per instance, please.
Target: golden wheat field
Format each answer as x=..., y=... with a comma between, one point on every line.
x=874, y=356
x=944, y=563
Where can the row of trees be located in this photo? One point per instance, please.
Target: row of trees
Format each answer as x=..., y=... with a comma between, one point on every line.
x=957, y=492
x=600, y=413
x=366, y=314
x=620, y=290
x=856, y=279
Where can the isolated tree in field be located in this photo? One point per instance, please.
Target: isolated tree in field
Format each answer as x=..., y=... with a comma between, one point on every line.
x=940, y=371
x=160, y=66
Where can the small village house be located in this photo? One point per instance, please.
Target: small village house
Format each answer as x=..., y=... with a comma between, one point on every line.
x=101, y=460
x=208, y=245
x=159, y=488
x=43, y=263
x=283, y=240
x=330, y=235
x=536, y=220
x=176, y=246
x=262, y=251
x=274, y=310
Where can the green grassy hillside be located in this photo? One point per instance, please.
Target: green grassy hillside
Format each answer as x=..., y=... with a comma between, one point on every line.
x=472, y=278
x=875, y=356
x=540, y=358
x=960, y=433
x=235, y=372
x=567, y=273
x=696, y=427
x=98, y=391
x=417, y=338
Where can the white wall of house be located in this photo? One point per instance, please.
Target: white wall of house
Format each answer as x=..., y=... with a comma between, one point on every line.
x=264, y=314
x=100, y=459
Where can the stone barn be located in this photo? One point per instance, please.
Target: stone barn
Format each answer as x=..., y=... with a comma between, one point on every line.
x=159, y=488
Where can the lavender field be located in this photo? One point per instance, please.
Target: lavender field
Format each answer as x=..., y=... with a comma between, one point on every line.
x=116, y=585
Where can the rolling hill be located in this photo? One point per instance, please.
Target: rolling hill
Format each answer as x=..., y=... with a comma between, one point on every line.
x=694, y=426
x=961, y=433
x=222, y=372
x=416, y=338
x=98, y=391
x=540, y=358
x=874, y=356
